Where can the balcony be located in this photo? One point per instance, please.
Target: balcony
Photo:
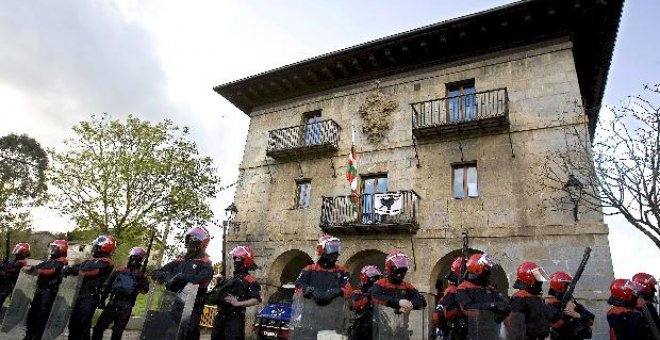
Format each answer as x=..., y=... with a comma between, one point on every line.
x=479, y=112
x=376, y=213
x=303, y=141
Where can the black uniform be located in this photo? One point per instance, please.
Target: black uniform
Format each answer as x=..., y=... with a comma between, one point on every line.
x=567, y=327
x=479, y=295
x=323, y=284
x=48, y=283
x=538, y=316
x=447, y=316
x=229, y=322
x=95, y=272
x=9, y=272
x=362, y=305
x=123, y=286
x=626, y=323
x=650, y=306
x=389, y=294
x=195, y=269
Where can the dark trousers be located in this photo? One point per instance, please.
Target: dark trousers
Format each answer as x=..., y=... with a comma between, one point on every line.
x=117, y=313
x=228, y=326
x=80, y=323
x=39, y=312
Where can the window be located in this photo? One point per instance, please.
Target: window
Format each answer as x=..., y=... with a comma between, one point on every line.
x=461, y=102
x=465, y=180
x=312, y=121
x=372, y=185
x=303, y=194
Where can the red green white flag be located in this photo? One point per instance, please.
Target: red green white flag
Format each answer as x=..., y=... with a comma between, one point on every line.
x=351, y=176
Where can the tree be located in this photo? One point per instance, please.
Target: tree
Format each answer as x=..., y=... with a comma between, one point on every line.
x=125, y=178
x=23, y=165
x=620, y=169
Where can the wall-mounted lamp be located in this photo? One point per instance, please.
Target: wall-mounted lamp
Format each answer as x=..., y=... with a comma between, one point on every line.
x=574, y=188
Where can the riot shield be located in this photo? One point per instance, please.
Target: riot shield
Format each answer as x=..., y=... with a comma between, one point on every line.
x=390, y=324
x=62, y=307
x=169, y=314
x=310, y=321
x=13, y=325
x=483, y=324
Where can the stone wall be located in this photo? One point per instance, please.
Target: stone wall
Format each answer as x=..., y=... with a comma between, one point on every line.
x=514, y=218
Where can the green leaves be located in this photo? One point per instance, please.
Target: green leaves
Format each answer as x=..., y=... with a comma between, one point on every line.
x=124, y=177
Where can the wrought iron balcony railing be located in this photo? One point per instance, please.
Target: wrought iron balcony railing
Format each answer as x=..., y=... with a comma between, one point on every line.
x=379, y=212
x=479, y=111
x=303, y=140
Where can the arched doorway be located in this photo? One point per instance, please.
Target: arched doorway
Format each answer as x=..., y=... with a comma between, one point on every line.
x=287, y=266
x=498, y=276
x=361, y=259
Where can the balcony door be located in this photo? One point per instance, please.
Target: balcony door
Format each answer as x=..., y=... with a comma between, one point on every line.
x=312, y=128
x=372, y=185
x=461, y=102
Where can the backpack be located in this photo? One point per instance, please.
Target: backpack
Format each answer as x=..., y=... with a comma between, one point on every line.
x=124, y=284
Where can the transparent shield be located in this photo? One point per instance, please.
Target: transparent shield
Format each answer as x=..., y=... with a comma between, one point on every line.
x=310, y=321
x=390, y=324
x=169, y=313
x=13, y=325
x=62, y=307
x=487, y=325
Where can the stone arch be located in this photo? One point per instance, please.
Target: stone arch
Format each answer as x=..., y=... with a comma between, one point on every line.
x=498, y=276
x=287, y=266
x=361, y=259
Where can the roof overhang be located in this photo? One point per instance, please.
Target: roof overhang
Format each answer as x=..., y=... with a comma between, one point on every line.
x=592, y=26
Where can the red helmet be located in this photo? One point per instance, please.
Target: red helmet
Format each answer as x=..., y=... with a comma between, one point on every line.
x=104, y=243
x=529, y=273
x=328, y=245
x=245, y=253
x=198, y=234
x=559, y=281
x=647, y=281
x=62, y=247
x=621, y=289
x=21, y=249
x=138, y=251
x=456, y=265
x=478, y=263
x=369, y=272
x=395, y=260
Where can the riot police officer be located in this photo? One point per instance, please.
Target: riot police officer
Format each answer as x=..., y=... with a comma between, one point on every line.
x=233, y=295
x=576, y=321
x=10, y=269
x=646, y=284
x=476, y=292
x=361, y=304
x=392, y=291
x=94, y=272
x=447, y=311
x=123, y=286
x=528, y=301
x=49, y=274
x=194, y=267
x=626, y=322
x=324, y=280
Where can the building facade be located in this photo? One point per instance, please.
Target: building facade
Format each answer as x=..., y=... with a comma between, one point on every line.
x=452, y=126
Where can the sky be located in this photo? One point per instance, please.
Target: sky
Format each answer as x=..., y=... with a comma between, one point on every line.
x=62, y=61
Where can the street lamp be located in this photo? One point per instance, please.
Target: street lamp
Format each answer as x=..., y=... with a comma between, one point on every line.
x=574, y=189
x=230, y=215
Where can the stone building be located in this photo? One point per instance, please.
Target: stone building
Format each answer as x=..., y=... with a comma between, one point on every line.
x=455, y=120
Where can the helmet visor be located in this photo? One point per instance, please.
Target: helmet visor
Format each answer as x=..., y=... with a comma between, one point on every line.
x=487, y=261
x=239, y=252
x=634, y=286
x=371, y=271
x=196, y=234
x=540, y=275
x=137, y=251
x=399, y=260
x=332, y=247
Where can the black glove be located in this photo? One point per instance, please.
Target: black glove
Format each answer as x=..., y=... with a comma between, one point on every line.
x=158, y=276
x=501, y=307
x=101, y=303
x=66, y=271
x=175, y=283
x=308, y=292
x=333, y=293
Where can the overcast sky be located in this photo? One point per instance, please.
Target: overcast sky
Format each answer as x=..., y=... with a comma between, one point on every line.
x=62, y=61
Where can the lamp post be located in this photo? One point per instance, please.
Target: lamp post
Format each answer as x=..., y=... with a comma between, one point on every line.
x=230, y=215
x=574, y=189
